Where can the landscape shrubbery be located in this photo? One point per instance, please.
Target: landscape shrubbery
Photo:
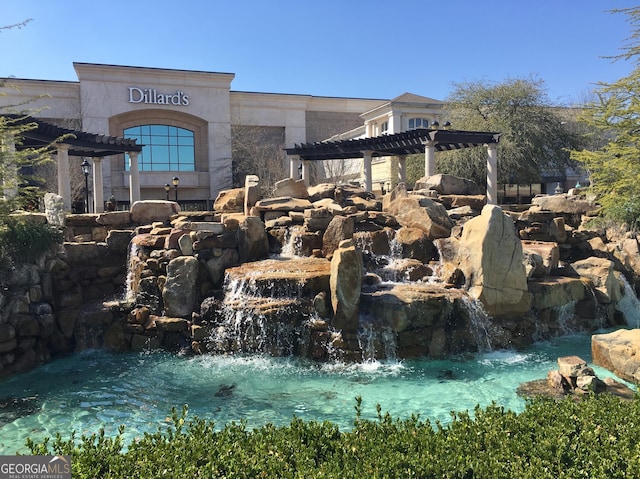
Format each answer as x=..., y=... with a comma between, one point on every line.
x=598, y=437
x=23, y=241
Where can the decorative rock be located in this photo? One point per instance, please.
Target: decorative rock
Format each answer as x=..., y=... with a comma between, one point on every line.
x=114, y=218
x=251, y=193
x=291, y=187
x=345, y=283
x=171, y=324
x=448, y=185
x=55, y=209
x=619, y=352
x=490, y=256
x=422, y=213
x=230, y=201
x=563, y=204
x=285, y=203
x=118, y=240
x=253, y=242
x=571, y=366
x=148, y=211
x=339, y=229
x=601, y=272
x=415, y=244
x=179, y=293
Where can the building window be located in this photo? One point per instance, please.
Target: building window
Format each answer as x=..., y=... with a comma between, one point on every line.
x=166, y=148
x=384, y=128
x=415, y=123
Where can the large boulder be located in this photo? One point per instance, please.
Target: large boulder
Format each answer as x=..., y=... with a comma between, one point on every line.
x=340, y=228
x=601, y=273
x=179, y=292
x=230, y=201
x=422, y=213
x=345, y=283
x=619, y=352
x=490, y=257
x=291, y=187
x=148, y=211
x=448, y=185
x=253, y=242
x=564, y=204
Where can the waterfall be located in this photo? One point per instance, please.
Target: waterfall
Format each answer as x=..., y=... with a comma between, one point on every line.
x=629, y=305
x=252, y=320
x=565, y=314
x=376, y=343
x=292, y=244
x=132, y=268
x=479, y=323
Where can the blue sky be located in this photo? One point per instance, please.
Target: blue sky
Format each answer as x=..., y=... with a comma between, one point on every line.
x=345, y=48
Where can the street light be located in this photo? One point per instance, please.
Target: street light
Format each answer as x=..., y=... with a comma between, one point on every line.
x=176, y=182
x=86, y=168
x=167, y=189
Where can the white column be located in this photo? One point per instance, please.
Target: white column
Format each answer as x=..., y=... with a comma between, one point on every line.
x=402, y=169
x=306, y=171
x=492, y=173
x=294, y=161
x=429, y=158
x=98, y=193
x=367, y=180
x=134, y=178
x=64, y=182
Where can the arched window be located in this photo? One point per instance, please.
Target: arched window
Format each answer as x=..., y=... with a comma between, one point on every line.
x=166, y=148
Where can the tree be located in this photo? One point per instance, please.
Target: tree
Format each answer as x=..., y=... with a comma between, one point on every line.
x=259, y=151
x=535, y=136
x=614, y=115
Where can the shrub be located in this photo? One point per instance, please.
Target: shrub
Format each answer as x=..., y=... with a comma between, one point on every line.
x=595, y=438
x=23, y=241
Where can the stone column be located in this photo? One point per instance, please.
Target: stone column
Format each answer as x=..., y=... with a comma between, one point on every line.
x=306, y=171
x=64, y=182
x=134, y=178
x=492, y=173
x=429, y=158
x=367, y=180
x=98, y=193
x=402, y=169
x=294, y=161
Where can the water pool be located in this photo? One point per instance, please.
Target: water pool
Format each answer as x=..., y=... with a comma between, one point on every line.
x=95, y=388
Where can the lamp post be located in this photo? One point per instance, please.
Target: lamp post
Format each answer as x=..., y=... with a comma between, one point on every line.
x=176, y=182
x=86, y=168
x=167, y=189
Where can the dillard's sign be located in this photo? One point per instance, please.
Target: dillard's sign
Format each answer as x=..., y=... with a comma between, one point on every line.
x=153, y=97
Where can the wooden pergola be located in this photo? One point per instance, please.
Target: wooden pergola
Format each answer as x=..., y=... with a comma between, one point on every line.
x=426, y=141
x=65, y=143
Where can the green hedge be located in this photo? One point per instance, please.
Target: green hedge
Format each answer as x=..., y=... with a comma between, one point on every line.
x=596, y=438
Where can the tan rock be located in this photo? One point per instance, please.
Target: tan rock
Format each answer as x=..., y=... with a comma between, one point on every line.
x=490, y=256
x=229, y=201
x=148, y=211
x=619, y=352
x=346, y=284
x=601, y=272
x=422, y=213
x=291, y=187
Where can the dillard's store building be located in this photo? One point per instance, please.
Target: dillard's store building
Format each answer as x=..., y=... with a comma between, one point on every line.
x=184, y=119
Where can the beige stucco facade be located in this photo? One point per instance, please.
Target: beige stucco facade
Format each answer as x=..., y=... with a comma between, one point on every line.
x=107, y=99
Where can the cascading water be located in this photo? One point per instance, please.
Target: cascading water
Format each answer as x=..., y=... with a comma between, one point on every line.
x=132, y=269
x=255, y=320
x=479, y=323
x=629, y=305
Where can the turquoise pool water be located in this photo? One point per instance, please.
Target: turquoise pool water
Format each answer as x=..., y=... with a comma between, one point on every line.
x=95, y=388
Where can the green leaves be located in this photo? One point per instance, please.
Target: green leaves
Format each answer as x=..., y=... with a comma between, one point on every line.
x=598, y=437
